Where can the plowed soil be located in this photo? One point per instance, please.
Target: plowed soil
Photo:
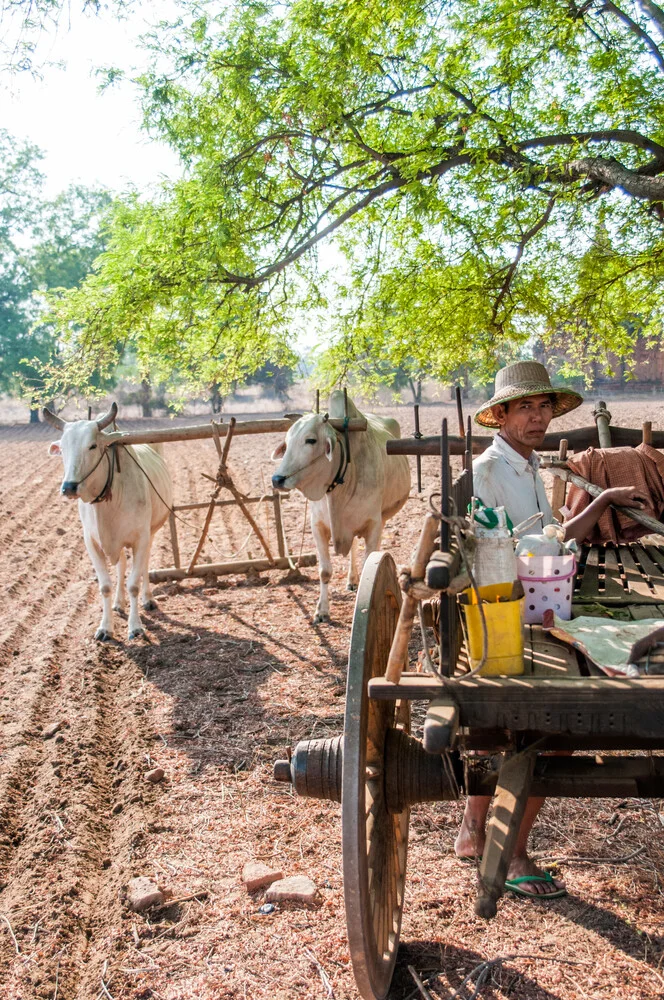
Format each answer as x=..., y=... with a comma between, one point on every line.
x=231, y=674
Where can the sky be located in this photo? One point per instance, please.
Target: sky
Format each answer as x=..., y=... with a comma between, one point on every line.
x=88, y=137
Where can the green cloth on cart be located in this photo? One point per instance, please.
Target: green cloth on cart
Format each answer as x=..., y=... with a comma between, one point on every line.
x=607, y=643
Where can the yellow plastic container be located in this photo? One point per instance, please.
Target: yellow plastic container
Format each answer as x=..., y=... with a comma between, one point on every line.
x=504, y=622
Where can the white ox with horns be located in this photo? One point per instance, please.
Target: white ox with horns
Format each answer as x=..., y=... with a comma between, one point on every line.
x=352, y=496
x=122, y=501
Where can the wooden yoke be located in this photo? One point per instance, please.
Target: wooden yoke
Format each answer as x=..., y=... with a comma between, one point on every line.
x=421, y=556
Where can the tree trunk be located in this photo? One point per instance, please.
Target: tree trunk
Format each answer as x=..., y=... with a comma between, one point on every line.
x=145, y=398
x=416, y=389
x=34, y=415
x=216, y=399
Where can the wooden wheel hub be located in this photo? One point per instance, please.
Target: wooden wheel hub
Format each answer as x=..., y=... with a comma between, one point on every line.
x=407, y=773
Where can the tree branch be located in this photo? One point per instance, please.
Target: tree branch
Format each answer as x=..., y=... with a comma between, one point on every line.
x=623, y=135
x=511, y=270
x=636, y=29
x=654, y=12
x=614, y=174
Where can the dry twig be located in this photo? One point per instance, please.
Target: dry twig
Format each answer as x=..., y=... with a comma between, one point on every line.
x=598, y=860
x=420, y=985
x=104, y=987
x=203, y=894
x=11, y=931
x=324, y=978
x=481, y=972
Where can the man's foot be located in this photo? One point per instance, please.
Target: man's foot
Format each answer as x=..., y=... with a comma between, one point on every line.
x=542, y=883
x=469, y=844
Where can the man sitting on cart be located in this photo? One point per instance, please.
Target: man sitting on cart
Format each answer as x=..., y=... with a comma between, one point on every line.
x=507, y=475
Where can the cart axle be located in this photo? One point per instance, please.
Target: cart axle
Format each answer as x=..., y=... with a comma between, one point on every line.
x=411, y=775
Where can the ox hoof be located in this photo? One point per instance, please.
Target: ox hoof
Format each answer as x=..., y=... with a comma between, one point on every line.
x=321, y=619
x=101, y=635
x=352, y=587
x=151, y=605
x=119, y=608
x=137, y=633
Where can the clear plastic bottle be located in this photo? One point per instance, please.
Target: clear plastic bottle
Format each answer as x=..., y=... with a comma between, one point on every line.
x=495, y=561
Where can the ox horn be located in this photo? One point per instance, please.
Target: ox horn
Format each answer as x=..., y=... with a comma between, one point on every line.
x=53, y=419
x=326, y=417
x=108, y=418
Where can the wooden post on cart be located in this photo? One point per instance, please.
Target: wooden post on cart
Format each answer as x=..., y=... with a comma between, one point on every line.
x=559, y=486
x=603, y=421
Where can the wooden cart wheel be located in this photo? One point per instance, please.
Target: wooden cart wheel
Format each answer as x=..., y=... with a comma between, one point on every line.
x=375, y=843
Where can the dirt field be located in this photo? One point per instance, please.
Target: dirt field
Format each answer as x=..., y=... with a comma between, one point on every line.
x=228, y=677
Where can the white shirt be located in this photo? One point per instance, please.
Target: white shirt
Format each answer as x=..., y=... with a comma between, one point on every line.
x=503, y=478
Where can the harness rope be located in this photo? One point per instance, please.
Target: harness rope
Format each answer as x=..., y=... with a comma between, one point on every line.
x=344, y=458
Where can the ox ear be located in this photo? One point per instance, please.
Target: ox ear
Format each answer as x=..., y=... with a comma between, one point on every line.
x=54, y=448
x=279, y=452
x=329, y=447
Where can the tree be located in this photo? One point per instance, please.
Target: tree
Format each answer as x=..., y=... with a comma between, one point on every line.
x=274, y=379
x=25, y=21
x=43, y=245
x=464, y=156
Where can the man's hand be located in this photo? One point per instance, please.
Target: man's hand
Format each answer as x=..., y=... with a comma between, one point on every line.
x=624, y=496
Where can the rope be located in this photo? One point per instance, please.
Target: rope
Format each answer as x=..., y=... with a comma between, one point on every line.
x=168, y=507
x=251, y=532
x=459, y=525
x=293, y=565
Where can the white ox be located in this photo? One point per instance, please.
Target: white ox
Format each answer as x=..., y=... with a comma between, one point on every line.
x=120, y=508
x=349, y=500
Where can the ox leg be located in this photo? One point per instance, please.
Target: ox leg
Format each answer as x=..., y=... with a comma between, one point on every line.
x=353, y=571
x=146, y=590
x=98, y=559
x=372, y=538
x=139, y=568
x=321, y=534
x=120, y=590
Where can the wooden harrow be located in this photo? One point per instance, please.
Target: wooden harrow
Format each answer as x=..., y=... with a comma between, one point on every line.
x=378, y=769
x=223, y=481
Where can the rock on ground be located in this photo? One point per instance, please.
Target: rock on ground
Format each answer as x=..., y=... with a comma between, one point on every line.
x=142, y=893
x=155, y=775
x=296, y=887
x=257, y=875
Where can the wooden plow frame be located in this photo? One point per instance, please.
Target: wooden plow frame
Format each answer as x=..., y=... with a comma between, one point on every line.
x=223, y=480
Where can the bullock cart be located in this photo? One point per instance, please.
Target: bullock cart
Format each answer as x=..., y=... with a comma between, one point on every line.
x=220, y=431
x=378, y=769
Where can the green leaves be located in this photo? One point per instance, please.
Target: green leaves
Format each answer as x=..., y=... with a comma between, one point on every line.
x=450, y=178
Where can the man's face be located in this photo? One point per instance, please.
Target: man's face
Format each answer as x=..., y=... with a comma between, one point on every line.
x=525, y=421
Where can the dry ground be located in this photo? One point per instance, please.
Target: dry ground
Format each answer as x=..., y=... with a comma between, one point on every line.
x=229, y=676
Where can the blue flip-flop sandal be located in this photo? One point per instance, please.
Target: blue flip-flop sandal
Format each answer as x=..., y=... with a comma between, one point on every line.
x=514, y=885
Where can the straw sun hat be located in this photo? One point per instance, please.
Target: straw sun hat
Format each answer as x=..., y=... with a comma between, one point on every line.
x=526, y=378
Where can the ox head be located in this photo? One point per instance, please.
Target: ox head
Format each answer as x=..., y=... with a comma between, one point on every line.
x=81, y=446
x=306, y=457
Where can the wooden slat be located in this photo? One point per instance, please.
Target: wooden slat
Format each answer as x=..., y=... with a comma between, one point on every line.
x=654, y=571
x=635, y=581
x=590, y=579
x=613, y=585
x=550, y=657
x=528, y=649
x=640, y=611
x=656, y=553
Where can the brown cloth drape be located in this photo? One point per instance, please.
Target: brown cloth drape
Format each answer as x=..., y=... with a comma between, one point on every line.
x=642, y=468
